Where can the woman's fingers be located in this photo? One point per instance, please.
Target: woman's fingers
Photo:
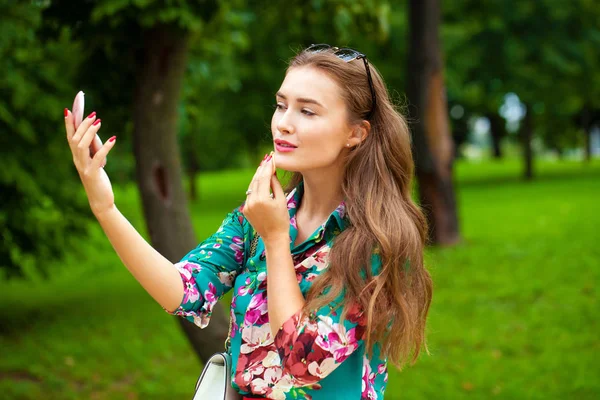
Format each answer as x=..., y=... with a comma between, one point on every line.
x=83, y=127
x=263, y=180
x=88, y=137
x=100, y=156
x=95, y=147
x=69, y=127
x=254, y=182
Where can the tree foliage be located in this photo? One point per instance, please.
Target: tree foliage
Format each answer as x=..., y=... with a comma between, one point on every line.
x=42, y=205
x=544, y=51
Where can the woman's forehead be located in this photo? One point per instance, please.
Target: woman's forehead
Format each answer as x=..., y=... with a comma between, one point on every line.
x=311, y=83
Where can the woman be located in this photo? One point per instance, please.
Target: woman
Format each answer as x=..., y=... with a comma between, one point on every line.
x=328, y=280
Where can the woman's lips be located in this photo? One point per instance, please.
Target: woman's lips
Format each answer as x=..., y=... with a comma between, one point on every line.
x=283, y=149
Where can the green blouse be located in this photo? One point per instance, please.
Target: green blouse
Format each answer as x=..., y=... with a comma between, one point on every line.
x=311, y=357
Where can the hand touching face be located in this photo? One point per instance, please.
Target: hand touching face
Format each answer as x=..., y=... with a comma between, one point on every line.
x=267, y=212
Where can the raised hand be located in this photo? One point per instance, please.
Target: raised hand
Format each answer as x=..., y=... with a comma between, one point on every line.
x=95, y=180
x=267, y=212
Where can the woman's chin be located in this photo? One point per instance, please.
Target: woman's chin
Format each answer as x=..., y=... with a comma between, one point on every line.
x=283, y=164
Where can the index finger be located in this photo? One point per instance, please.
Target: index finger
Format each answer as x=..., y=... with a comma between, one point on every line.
x=69, y=126
x=263, y=177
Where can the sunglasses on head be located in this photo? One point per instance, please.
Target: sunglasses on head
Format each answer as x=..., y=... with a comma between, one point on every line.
x=347, y=55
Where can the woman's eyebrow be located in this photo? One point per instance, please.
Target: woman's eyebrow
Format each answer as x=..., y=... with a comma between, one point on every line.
x=301, y=100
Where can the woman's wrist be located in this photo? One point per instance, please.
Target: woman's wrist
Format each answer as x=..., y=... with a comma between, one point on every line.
x=277, y=242
x=104, y=214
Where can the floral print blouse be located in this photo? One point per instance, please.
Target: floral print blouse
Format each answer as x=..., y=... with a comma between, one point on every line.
x=311, y=357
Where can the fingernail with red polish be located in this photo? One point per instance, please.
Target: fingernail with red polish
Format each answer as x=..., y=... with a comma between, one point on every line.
x=66, y=112
x=96, y=122
x=112, y=139
x=92, y=115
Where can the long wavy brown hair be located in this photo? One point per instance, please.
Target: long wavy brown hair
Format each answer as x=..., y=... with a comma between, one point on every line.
x=384, y=220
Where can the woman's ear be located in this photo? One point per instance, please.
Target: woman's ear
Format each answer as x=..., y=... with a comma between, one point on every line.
x=365, y=128
x=359, y=133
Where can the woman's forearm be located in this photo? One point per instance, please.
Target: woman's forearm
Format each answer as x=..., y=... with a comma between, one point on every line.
x=284, y=297
x=152, y=270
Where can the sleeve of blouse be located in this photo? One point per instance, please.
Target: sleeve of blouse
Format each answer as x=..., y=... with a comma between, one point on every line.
x=311, y=347
x=209, y=270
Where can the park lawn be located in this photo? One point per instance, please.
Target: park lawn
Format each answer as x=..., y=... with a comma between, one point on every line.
x=514, y=316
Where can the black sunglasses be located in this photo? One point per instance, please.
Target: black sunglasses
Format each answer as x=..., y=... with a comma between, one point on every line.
x=348, y=55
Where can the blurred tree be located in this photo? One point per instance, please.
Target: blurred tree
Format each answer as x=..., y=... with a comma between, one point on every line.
x=42, y=209
x=432, y=141
x=543, y=51
x=471, y=32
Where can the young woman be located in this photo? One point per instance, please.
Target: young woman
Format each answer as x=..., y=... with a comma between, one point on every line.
x=329, y=282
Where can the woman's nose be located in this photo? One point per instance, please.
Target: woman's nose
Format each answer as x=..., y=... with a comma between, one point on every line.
x=284, y=125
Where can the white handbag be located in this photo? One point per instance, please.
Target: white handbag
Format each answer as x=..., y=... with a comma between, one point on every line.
x=215, y=381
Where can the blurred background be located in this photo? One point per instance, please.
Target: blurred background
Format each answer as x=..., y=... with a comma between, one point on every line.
x=504, y=102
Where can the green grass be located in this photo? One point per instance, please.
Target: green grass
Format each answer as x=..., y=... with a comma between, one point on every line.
x=514, y=316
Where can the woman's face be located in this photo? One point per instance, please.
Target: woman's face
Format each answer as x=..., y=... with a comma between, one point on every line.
x=311, y=116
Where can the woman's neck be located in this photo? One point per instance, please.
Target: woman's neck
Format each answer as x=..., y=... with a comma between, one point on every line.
x=322, y=194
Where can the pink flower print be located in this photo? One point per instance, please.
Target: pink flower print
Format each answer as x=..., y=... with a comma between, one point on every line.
x=293, y=222
x=190, y=289
x=255, y=337
x=336, y=339
x=227, y=278
x=248, y=367
x=262, y=276
x=234, y=325
x=217, y=246
x=211, y=294
x=238, y=247
x=257, y=312
x=292, y=203
x=321, y=258
x=368, y=381
x=323, y=369
x=381, y=369
x=246, y=288
x=341, y=209
x=310, y=277
x=263, y=386
x=210, y=299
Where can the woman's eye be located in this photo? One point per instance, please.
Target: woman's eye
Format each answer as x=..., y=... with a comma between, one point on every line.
x=308, y=112
x=279, y=106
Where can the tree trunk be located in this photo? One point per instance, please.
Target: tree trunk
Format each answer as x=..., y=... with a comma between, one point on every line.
x=158, y=165
x=588, y=145
x=587, y=131
x=526, y=136
x=497, y=133
x=432, y=141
